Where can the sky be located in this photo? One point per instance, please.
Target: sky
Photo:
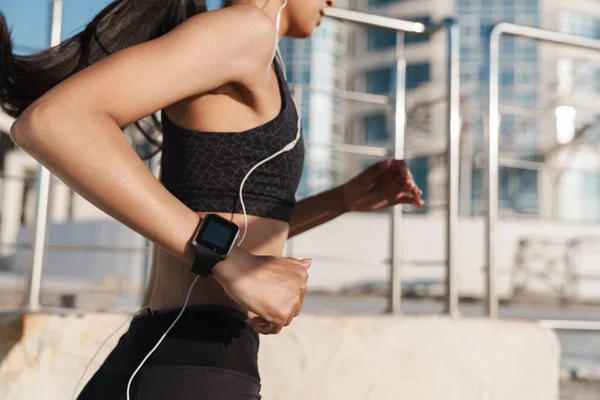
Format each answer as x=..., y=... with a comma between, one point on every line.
x=31, y=20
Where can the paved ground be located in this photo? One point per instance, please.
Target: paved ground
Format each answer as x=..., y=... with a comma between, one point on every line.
x=573, y=390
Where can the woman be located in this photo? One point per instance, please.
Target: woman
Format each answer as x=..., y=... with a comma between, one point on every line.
x=225, y=108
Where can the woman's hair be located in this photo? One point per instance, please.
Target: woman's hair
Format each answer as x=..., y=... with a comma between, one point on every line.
x=123, y=23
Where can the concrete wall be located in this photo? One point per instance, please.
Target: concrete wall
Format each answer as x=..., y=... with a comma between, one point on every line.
x=377, y=357
x=423, y=253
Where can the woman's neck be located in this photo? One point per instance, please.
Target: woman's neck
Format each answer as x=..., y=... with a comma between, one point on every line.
x=271, y=8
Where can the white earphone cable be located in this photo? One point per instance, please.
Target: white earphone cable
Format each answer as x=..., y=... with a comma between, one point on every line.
x=100, y=348
x=187, y=299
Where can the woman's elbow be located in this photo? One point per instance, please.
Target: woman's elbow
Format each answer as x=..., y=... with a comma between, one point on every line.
x=31, y=123
x=18, y=132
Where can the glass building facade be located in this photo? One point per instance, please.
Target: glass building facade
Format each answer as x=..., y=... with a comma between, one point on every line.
x=519, y=85
x=317, y=66
x=581, y=77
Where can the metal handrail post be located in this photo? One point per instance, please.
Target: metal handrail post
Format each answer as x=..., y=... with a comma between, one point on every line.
x=396, y=226
x=491, y=142
x=453, y=169
x=491, y=147
x=32, y=299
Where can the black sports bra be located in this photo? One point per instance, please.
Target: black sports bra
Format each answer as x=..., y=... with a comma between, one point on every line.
x=205, y=169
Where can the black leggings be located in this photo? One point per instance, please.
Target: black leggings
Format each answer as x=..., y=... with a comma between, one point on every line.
x=210, y=354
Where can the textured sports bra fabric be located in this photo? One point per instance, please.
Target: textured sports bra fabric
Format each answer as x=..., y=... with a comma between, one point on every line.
x=205, y=169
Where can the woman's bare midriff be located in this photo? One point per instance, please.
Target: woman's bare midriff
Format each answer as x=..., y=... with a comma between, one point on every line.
x=222, y=110
x=170, y=277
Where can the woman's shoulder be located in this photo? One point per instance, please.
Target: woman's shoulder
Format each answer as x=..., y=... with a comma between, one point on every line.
x=208, y=51
x=244, y=21
x=244, y=27
x=247, y=11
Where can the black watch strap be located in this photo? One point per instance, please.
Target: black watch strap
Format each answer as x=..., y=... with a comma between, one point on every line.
x=205, y=261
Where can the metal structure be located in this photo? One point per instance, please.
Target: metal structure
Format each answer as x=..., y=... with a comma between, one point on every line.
x=492, y=149
x=453, y=96
x=398, y=153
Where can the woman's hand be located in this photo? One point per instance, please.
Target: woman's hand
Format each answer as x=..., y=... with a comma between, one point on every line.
x=382, y=185
x=272, y=288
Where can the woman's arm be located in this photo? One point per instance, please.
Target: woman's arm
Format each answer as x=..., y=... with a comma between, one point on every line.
x=382, y=185
x=317, y=210
x=75, y=129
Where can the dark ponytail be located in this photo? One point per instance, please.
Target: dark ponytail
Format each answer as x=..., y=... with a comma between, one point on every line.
x=123, y=23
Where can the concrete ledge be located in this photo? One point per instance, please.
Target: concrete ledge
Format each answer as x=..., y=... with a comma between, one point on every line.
x=317, y=357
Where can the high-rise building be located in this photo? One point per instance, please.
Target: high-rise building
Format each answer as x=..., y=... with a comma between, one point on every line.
x=315, y=68
x=535, y=80
x=574, y=114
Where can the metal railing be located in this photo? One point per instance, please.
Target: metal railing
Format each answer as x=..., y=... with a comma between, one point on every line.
x=492, y=141
x=453, y=120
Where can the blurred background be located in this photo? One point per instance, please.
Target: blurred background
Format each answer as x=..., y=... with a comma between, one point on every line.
x=345, y=79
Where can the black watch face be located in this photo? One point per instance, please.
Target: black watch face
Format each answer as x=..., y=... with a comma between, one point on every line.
x=217, y=233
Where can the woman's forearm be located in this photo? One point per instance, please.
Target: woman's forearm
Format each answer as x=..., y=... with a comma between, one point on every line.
x=88, y=152
x=317, y=210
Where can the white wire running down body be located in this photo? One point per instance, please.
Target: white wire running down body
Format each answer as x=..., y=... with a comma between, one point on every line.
x=287, y=148
x=278, y=20
x=187, y=299
x=100, y=348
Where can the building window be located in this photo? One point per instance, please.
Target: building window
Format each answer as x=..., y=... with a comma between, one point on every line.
x=383, y=81
x=417, y=74
x=376, y=129
x=379, y=81
x=507, y=77
x=378, y=39
x=523, y=191
x=518, y=190
x=579, y=24
x=305, y=77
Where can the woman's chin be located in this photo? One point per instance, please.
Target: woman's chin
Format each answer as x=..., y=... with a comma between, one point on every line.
x=301, y=32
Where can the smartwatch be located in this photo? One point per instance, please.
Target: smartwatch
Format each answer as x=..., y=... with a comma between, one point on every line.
x=213, y=243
